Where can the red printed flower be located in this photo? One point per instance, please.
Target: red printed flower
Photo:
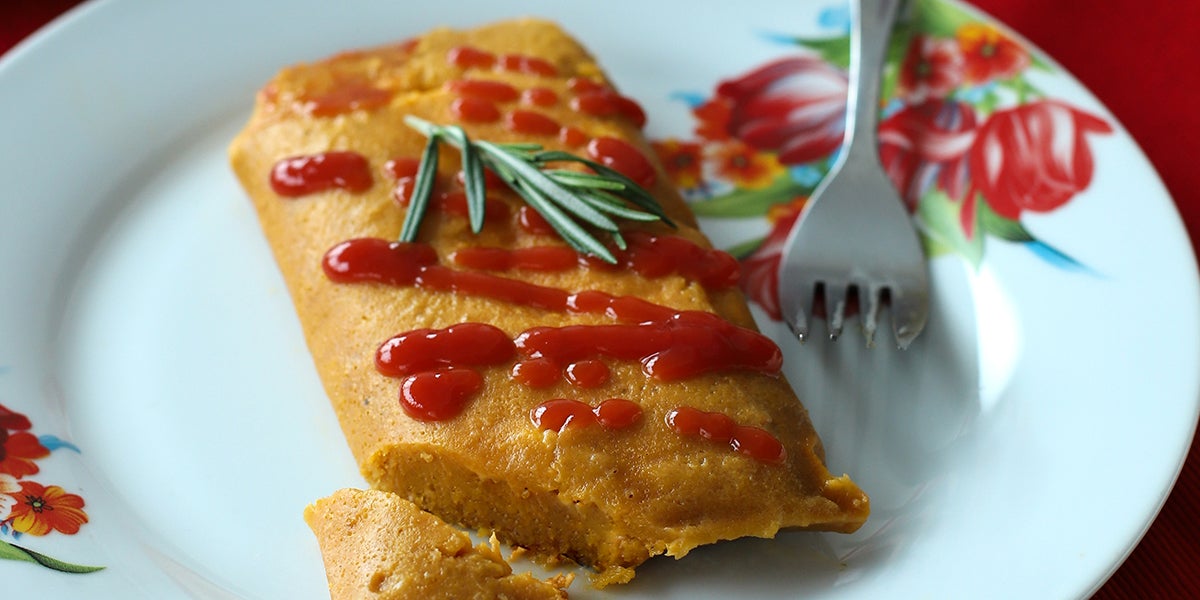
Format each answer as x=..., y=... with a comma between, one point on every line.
x=1033, y=157
x=745, y=167
x=793, y=106
x=712, y=119
x=18, y=451
x=42, y=509
x=989, y=54
x=760, y=270
x=10, y=419
x=682, y=160
x=932, y=68
x=927, y=143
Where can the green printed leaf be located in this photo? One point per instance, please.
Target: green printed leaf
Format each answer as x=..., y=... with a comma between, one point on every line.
x=940, y=18
x=1001, y=227
x=746, y=202
x=942, y=228
x=14, y=552
x=1039, y=63
x=834, y=50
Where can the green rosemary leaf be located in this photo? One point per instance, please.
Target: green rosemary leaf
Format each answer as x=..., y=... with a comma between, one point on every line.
x=422, y=189
x=536, y=178
x=633, y=192
x=521, y=147
x=576, y=179
x=473, y=178
x=610, y=204
x=425, y=127
x=571, y=232
x=568, y=200
x=619, y=240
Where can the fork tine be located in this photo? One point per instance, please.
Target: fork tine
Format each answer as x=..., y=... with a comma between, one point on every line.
x=799, y=324
x=910, y=311
x=869, y=298
x=835, y=307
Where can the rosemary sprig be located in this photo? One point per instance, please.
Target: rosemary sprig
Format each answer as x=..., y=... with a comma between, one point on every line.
x=570, y=201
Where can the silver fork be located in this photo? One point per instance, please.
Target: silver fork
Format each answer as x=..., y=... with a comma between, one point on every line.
x=855, y=235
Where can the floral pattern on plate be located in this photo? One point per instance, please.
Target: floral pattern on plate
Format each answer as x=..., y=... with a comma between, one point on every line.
x=968, y=139
x=28, y=507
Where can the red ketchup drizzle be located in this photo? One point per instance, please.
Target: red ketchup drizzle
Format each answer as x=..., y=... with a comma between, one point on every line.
x=532, y=221
x=587, y=374
x=491, y=180
x=363, y=260
x=461, y=345
x=537, y=258
x=572, y=136
x=529, y=65
x=474, y=110
x=648, y=255
x=302, y=175
x=530, y=123
x=403, y=191
x=685, y=345
x=494, y=91
x=539, y=96
x=344, y=98
x=583, y=85
x=466, y=57
x=607, y=103
x=620, y=155
x=754, y=442
x=618, y=413
x=402, y=167
x=438, y=395
x=654, y=256
x=536, y=373
x=452, y=202
x=557, y=414
x=435, y=386
x=455, y=203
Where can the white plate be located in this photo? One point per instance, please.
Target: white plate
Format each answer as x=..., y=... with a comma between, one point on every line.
x=1019, y=451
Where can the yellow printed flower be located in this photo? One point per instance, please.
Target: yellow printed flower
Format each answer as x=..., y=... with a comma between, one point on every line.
x=42, y=509
x=683, y=161
x=988, y=54
x=745, y=167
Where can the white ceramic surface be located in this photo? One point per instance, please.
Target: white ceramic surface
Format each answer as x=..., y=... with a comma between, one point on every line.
x=1019, y=449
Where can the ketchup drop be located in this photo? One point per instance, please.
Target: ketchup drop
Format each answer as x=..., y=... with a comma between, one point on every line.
x=438, y=395
x=530, y=123
x=536, y=373
x=648, y=255
x=461, y=345
x=539, y=96
x=754, y=442
x=622, y=157
x=302, y=175
x=560, y=413
x=474, y=110
x=466, y=57
x=587, y=374
x=688, y=344
x=494, y=91
x=529, y=65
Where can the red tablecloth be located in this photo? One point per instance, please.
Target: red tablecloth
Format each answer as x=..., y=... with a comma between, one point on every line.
x=1140, y=59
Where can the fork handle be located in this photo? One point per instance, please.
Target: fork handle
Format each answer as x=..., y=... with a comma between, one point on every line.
x=871, y=23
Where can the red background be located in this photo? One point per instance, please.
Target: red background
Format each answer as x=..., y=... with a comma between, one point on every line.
x=1142, y=63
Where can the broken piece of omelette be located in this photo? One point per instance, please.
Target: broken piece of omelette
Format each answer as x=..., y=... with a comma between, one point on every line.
x=379, y=545
x=603, y=409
